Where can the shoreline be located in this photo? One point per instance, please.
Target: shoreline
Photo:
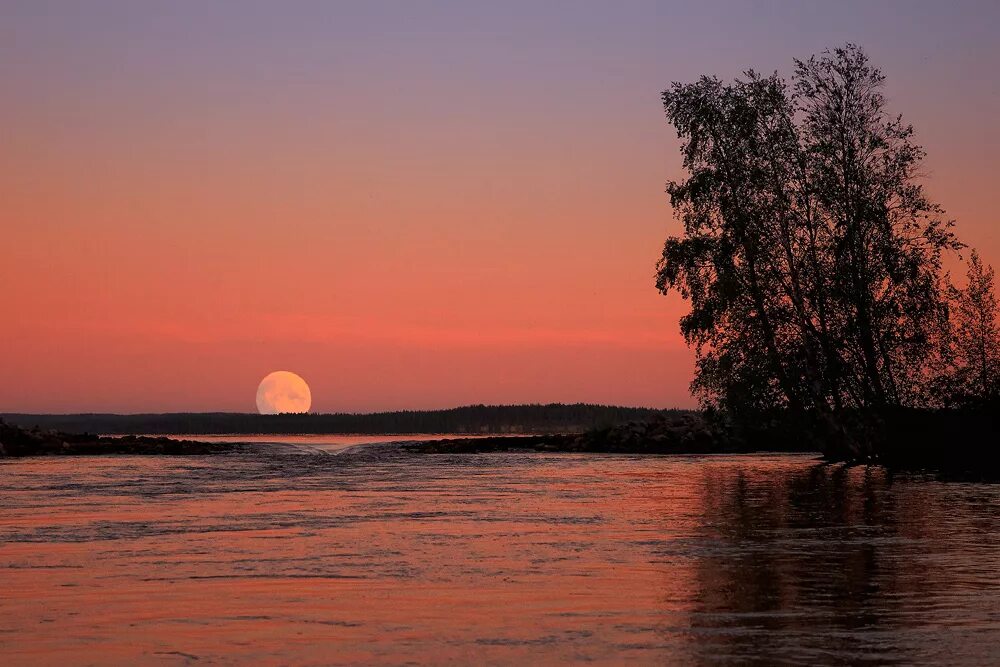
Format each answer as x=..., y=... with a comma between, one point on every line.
x=905, y=440
x=17, y=442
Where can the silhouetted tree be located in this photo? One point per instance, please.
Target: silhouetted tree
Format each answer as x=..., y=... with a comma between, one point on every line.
x=886, y=238
x=975, y=337
x=731, y=262
x=811, y=256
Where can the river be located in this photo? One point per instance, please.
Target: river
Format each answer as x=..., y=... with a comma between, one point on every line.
x=317, y=552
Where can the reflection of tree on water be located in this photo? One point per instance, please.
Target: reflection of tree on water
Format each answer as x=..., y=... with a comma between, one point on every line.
x=804, y=564
x=790, y=556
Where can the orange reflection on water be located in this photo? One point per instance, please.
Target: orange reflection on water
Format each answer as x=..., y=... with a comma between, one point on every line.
x=376, y=555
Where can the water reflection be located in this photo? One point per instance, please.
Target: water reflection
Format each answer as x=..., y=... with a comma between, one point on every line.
x=376, y=555
x=829, y=562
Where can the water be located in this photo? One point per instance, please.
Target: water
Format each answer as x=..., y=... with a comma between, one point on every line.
x=329, y=443
x=299, y=555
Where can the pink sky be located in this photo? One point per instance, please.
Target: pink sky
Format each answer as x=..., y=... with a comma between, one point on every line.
x=407, y=211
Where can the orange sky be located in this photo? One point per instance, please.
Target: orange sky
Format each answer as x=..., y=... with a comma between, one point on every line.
x=406, y=215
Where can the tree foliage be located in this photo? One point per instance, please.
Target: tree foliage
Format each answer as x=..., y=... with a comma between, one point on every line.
x=811, y=255
x=972, y=370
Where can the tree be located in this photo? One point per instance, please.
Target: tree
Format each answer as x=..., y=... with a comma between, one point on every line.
x=811, y=256
x=726, y=263
x=975, y=336
x=886, y=237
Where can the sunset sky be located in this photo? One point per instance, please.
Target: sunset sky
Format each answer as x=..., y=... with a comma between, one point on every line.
x=411, y=205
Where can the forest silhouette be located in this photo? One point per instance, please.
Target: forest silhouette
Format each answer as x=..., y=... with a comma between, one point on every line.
x=496, y=419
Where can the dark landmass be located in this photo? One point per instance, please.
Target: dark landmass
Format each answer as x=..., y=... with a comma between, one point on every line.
x=966, y=442
x=471, y=419
x=949, y=441
x=17, y=442
x=961, y=441
x=676, y=433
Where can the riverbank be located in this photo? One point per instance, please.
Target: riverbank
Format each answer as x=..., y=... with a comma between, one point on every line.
x=18, y=442
x=961, y=441
x=679, y=433
x=950, y=441
x=902, y=439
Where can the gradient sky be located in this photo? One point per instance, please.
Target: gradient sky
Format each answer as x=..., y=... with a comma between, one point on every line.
x=412, y=205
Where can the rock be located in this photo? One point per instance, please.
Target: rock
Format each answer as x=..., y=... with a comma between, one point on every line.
x=18, y=441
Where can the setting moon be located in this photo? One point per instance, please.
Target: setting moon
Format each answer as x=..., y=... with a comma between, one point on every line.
x=283, y=391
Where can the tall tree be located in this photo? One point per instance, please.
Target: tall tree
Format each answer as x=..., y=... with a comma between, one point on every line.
x=726, y=263
x=886, y=237
x=811, y=255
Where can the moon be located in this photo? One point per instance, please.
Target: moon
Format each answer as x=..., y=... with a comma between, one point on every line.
x=283, y=391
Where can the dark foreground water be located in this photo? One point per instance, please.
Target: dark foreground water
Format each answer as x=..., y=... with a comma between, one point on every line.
x=296, y=555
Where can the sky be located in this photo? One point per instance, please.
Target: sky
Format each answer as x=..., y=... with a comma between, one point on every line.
x=410, y=204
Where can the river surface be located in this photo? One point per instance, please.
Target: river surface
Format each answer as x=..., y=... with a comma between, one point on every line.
x=311, y=553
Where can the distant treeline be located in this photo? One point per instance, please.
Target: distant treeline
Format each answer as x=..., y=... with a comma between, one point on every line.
x=552, y=418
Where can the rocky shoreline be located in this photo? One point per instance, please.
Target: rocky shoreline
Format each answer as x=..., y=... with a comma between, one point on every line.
x=945, y=440
x=17, y=442
x=939, y=441
x=683, y=433
x=680, y=433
